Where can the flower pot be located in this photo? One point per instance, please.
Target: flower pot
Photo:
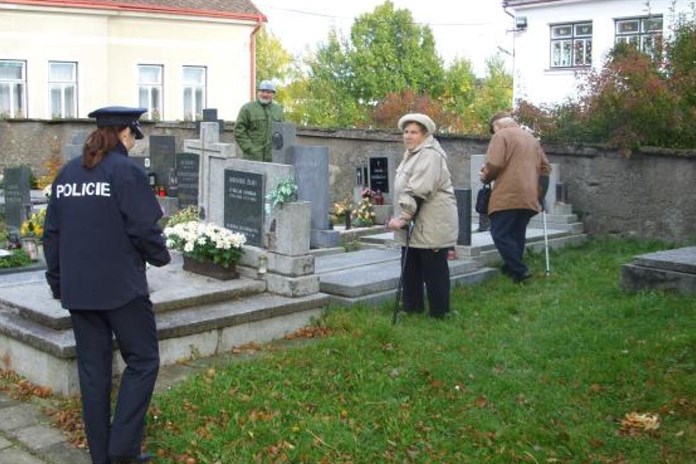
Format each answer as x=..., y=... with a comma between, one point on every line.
x=211, y=269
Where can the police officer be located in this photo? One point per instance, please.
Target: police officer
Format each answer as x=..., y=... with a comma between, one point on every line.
x=253, y=128
x=100, y=230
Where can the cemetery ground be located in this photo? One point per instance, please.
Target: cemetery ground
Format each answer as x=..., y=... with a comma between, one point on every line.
x=564, y=369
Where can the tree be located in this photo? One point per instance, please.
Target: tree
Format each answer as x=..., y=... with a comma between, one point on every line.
x=390, y=53
x=273, y=62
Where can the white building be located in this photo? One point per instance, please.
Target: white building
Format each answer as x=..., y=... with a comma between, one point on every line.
x=554, y=39
x=63, y=59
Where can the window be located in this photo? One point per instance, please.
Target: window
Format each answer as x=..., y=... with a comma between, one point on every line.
x=194, y=92
x=644, y=33
x=150, y=90
x=571, y=45
x=13, y=85
x=62, y=88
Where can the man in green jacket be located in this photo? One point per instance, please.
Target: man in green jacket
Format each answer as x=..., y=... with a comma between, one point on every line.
x=254, y=126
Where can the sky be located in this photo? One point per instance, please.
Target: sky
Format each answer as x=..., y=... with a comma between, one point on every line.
x=472, y=29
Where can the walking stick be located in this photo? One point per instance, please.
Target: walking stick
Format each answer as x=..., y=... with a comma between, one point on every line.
x=546, y=239
x=400, y=287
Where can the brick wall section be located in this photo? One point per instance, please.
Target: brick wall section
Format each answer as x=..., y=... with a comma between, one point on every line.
x=650, y=195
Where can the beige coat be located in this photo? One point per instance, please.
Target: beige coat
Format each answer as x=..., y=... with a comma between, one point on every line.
x=515, y=161
x=423, y=173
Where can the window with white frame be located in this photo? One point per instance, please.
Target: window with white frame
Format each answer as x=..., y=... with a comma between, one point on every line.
x=13, y=88
x=62, y=88
x=571, y=45
x=645, y=33
x=194, y=80
x=151, y=89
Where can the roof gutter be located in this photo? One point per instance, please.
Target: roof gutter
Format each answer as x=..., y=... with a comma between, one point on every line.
x=87, y=4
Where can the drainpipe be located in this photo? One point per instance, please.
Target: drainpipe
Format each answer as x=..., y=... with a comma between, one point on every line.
x=514, y=32
x=252, y=60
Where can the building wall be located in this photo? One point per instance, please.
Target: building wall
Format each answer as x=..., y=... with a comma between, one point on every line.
x=648, y=195
x=108, y=47
x=534, y=79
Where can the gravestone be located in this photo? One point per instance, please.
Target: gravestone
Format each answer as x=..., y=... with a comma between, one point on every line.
x=17, y=196
x=312, y=177
x=163, y=160
x=214, y=158
x=381, y=170
x=188, y=175
x=244, y=204
x=76, y=145
x=211, y=115
x=283, y=139
x=463, y=197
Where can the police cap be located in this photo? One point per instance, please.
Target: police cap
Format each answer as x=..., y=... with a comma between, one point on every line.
x=119, y=116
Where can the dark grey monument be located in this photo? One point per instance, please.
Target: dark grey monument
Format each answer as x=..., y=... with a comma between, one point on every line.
x=283, y=139
x=463, y=197
x=244, y=204
x=187, y=169
x=163, y=160
x=17, y=196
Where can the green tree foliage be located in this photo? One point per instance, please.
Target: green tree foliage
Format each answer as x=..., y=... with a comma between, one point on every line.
x=389, y=66
x=390, y=53
x=272, y=60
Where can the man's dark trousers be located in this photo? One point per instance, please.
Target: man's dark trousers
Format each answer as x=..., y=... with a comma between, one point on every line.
x=508, y=229
x=136, y=335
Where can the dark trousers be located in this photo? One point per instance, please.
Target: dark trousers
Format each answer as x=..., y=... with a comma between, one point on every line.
x=508, y=229
x=136, y=335
x=429, y=267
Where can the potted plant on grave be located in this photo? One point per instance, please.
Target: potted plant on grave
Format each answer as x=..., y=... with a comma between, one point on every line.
x=342, y=211
x=285, y=192
x=364, y=213
x=31, y=232
x=208, y=249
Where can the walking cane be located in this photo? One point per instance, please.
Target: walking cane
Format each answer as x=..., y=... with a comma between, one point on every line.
x=400, y=287
x=546, y=239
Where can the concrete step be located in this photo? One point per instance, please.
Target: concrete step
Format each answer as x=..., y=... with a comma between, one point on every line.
x=362, y=273
x=470, y=278
x=46, y=355
x=170, y=288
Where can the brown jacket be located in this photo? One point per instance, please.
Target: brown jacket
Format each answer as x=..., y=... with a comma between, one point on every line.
x=515, y=161
x=423, y=173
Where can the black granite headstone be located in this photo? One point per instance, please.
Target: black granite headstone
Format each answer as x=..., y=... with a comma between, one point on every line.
x=379, y=174
x=244, y=204
x=187, y=170
x=463, y=197
x=17, y=196
x=163, y=158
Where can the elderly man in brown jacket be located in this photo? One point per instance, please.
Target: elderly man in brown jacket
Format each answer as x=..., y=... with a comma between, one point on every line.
x=520, y=169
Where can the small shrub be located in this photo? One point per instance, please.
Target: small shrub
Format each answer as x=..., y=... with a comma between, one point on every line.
x=18, y=258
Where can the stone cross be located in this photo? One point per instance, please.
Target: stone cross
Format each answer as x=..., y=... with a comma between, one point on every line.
x=214, y=157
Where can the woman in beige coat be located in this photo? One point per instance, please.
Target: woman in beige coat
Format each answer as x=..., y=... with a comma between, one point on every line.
x=423, y=194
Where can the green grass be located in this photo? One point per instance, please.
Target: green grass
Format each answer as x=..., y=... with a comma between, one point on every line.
x=539, y=373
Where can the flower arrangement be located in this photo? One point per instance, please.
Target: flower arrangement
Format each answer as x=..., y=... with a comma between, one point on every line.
x=188, y=214
x=340, y=210
x=33, y=227
x=285, y=192
x=206, y=242
x=364, y=214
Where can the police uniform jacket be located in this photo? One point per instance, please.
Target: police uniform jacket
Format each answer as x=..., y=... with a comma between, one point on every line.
x=100, y=229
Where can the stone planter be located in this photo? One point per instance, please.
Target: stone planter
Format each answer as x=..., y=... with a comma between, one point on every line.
x=210, y=269
x=292, y=228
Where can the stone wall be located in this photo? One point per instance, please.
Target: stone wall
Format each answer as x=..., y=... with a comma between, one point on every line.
x=649, y=194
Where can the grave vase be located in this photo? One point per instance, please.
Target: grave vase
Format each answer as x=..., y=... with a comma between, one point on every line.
x=211, y=269
x=348, y=220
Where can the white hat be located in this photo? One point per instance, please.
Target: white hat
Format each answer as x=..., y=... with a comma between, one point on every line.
x=422, y=119
x=267, y=85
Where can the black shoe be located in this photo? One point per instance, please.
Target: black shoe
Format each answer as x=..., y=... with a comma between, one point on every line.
x=143, y=457
x=523, y=278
